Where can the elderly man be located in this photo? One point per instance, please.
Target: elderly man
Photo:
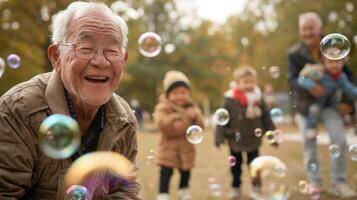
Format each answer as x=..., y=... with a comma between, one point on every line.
x=88, y=56
x=308, y=51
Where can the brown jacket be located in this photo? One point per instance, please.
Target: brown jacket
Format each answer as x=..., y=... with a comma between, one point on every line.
x=25, y=172
x=174, y=150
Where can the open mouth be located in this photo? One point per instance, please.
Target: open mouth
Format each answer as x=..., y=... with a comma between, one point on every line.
x=97, y=79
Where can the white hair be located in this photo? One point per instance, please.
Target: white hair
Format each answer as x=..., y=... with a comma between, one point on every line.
x=61, y=19
x=308, y=16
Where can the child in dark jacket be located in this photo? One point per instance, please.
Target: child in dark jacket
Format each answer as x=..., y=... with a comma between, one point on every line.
x=248, y=112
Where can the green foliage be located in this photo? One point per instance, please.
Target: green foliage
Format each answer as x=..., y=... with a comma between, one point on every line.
x=207, y=53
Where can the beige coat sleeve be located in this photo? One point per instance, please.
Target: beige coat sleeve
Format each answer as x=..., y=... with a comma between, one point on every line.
x=17, y=156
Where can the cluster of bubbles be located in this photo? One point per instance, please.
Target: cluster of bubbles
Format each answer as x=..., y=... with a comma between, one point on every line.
x=213, y=187
x=305, y=188
x=94, y=171
x=77, y=192
x=221, y=117
x=269, y=178
x=59, y=136
x=276, y=115
x=194, y=134
x=13, y=61
x=150, y=44
x=335, y=46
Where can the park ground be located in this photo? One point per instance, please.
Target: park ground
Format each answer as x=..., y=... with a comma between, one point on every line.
x=212, y=163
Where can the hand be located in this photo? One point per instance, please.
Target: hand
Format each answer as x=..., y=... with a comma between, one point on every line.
x=345, y=108
x=317, y=91
x=192, y=112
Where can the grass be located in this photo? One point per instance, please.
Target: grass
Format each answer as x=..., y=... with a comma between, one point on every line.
x=212, y=162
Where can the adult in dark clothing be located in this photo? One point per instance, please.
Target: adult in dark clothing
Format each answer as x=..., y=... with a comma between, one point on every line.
x=308, y=51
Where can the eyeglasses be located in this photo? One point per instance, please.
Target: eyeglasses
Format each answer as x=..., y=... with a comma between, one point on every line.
x=87, y=51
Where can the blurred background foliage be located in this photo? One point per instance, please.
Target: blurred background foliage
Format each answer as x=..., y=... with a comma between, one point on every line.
x=207, y=52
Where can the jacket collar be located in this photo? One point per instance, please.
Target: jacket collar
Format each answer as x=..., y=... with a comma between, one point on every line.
x=116, y=117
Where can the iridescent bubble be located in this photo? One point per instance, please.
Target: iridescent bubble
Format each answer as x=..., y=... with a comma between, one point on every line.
x=314, y=192
x=13, y=61
x=194, y=134
x=232, y=160
x=59, y=136
x=276, y=115
x=335, y=151
x=353, y=151
x=335, y=46
x=2, y=67
x=270, y=135
x=269, y=177
x=149, y=44
x=221, y=116
x=274, y=72
x=169, y=48
x=258, y=132
x=237, y=136
x=77, y=192
x=303, y=186
x=96, y=170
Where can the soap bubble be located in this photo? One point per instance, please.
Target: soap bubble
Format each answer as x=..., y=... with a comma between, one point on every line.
x=59, y=136
x=335, y=46
x=194, y=134
x=169, y=48
x=97, y=170
x=269, y=178
x=214, y=187
x=77, y=192
x=276, y=115
x=151, y=157
x=2, y=67
x=303, y=186
x=232, y=160
x=13, y=61
x=335, y=151
x=149, y=44
x=353, y=151
x=313, y=167
x=237, y=136
x=274, y=72
x=258, y=132
x=221, y=116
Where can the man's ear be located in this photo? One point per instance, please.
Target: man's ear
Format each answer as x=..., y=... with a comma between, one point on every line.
x=126, y=56
x=53, y=54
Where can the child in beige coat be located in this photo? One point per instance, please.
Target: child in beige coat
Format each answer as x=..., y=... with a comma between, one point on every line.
x=174, y=113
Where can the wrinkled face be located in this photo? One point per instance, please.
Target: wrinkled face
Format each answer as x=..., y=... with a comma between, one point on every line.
x=91, y=80
x=247, y=83
x=179, y=95
x=309, y=32
x=333, y=66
